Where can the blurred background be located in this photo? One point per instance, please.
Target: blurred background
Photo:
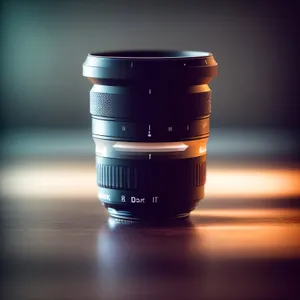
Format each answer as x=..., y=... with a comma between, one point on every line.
x=53, y=227
x=45, y=100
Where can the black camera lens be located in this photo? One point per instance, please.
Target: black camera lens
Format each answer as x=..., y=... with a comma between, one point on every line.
x=150, y=123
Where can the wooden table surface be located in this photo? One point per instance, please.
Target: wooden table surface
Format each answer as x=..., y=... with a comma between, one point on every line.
x=242, y=242
x=72, y=250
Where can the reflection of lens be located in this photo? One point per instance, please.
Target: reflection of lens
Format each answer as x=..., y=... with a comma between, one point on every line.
x=150, y=121
x=124, y=246
x=165, y=261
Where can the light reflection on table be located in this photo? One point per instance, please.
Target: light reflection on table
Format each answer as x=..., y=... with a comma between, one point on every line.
x=242, y=241
x=69, y=180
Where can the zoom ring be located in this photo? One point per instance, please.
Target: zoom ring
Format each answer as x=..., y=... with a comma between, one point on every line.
x=143, y=175
x=116, y=177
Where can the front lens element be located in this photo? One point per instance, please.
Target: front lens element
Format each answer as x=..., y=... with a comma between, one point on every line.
x=150, y=122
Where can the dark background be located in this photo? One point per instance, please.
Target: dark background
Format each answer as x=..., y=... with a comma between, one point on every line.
x=242, y=241
x=44, y=44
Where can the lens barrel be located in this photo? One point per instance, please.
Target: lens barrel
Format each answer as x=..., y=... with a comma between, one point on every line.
x=150, y=123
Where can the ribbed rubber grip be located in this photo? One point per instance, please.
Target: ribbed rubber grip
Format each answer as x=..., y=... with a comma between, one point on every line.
x=139, y=175
x=117, y=177
x=199, y=176
x=132, y=107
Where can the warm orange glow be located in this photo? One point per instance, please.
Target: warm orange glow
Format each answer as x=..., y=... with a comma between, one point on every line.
x=261, y=240
x=249, y=232
x=78, y=181
x=253, y=214
x=251, y=183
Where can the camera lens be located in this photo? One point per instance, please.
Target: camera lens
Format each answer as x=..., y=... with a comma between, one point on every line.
x=150, y=123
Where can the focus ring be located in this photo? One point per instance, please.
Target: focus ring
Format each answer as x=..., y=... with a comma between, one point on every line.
x=122, y=106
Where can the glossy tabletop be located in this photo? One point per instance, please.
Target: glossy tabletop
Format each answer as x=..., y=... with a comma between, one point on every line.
x=242, y=242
